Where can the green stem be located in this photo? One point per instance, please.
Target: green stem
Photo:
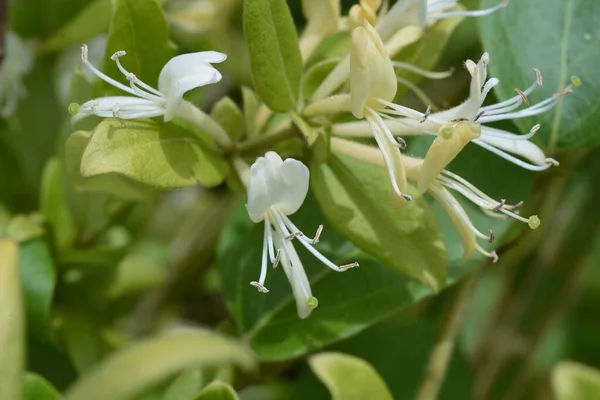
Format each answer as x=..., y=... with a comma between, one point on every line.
x=444, y=347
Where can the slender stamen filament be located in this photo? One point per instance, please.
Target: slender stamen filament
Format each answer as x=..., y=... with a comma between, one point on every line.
x=492, y=132
x=104, y=77
x=155, y=95
x=422, y=72
x=531, y=167
x=469, y=13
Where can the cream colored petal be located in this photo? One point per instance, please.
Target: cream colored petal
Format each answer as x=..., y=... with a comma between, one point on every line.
x=450, y=141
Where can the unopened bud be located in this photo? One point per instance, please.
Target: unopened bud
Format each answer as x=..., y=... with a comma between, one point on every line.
x=576, y=81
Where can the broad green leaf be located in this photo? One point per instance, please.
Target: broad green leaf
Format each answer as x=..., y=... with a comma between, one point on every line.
x=79, y=333
x=349, y=301
x=128, y=372
x=113, y=183
x=186, y=386
x=316, y=74
x=150, y=152
x=54, y=205
x=358, y=200
x=138, y=27
x=12, y=324
x=37, y=388
x=229, y=116
x=91, y=21
x=348, y=377
x=574, y=381
x=426, y=52
x=42, y=17
x=275, y=59
x=562, y=41
x=38, y=279
x=217, y=390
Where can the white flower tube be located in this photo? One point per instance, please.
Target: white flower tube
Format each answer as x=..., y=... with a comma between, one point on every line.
x=276, y=189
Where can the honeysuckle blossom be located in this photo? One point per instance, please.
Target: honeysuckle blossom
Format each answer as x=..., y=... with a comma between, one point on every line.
x=464, y=123
x=179, y=75
x=423, y=12
x=398, y=27
x=440, y=188
x=17, y=63
x=277, y=189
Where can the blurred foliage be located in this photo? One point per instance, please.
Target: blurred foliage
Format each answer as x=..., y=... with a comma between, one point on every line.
x=113, y=287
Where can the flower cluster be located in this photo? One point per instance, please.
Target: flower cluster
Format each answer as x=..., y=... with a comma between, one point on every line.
x=277, y=188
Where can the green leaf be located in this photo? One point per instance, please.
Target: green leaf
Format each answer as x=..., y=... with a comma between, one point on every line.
x=574, y=381
x=348, y=377
x=138, y=27
x=79, y=333
x=275, y=60
x=357, y=198
x=144, y=363
x=565, y=44
x=22, y=228
x=229, y=116
x=349, y=302
x=37, y=388
x=12, y=324
x=54, y=205
x=251, y=105
x=38, y=279
x=91, y=21
x=186, y=386
x=153, y=153
x=113, y=183
x=217, y=390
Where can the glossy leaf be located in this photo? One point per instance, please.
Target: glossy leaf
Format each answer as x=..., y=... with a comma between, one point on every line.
x=349, y=302
x=358, y=200
x=37, y=388
x=12, y=323
x=140, y=365
x=156, y=154
x=348, y=377
x=38, y=279
x=217, y=390
x=574, y=381
x=275, y=59
x=562, y=42
x=113, y=183
x=138, y=27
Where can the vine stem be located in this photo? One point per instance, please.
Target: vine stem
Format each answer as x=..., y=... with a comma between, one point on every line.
x=444, y=347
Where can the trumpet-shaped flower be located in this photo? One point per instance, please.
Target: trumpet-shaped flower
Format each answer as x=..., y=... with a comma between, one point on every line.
x=276, y=189
x=16, y=64
x=464, y=123
x=372, y=82
x=179, y=75
x=440, y=188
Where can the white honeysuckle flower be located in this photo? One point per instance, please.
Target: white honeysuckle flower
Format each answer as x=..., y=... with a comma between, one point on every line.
x=400, y=26
x=464, y=123
x=276, y=189
x=322, y=19
x=179, y=75
x=422, y=12
x=440, y=188
x=18, y=62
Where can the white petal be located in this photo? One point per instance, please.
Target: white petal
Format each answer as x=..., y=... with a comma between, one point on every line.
x=522, y=148
x=186, y=72
x=276, y=183
x=296, y=177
